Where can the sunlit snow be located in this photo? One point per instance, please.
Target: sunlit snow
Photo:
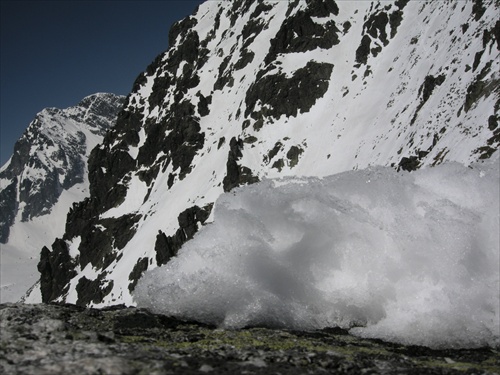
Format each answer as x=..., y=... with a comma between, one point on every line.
x=405, y=257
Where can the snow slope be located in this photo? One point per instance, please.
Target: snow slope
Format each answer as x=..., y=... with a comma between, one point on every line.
x=46, y=175
x=251, y=90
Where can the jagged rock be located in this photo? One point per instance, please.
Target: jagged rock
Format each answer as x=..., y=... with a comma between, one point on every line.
x=139, y=268
x=363, y=50
x=493, y=142
x=481, y=87
x=426, y=90
x=236, y=174
x=203, y=104
x=8, y=206
x=245, y=59
x=61, y=339
x=92, y=291
x=51, y=156
x=299, y=33
x=115, y=232
x=293, y=155
x=55, y=268
x=289, y=96
x=167, y=246
x=409, y=164
x=375, y=29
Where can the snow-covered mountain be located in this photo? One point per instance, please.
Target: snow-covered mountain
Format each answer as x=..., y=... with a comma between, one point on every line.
x=251, y=90
x=45, y=175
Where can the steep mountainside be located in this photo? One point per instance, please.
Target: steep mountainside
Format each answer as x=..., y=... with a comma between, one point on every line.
x=255, y=89
x=45, y=175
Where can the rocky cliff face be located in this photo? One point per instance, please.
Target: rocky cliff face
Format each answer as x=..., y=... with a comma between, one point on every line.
x=254, y=89
x=46, y=174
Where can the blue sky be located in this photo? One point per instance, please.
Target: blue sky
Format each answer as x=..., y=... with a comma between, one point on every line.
x=54, y=53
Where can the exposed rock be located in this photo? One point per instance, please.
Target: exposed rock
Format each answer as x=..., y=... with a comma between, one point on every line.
x=278, y=146
x=141, y=266
x=245, y=59
x=481, y=87
x=300, y=33
x=363, y=50
x=289, y=96
x=92, y=290
x=493, y=143
x=375, y=29
x=478, y=9
x=8, y=208
x=203, y=104
x=62, y=339
x=410, y=163
x=425, y=91
x=167, y=246
x=55, y=267
x=237, y=174
x=293, y=155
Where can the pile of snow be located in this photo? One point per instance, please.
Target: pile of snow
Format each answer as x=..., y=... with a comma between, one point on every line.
x=405, y=257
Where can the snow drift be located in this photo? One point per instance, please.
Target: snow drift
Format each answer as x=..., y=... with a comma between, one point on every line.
x=405, y=257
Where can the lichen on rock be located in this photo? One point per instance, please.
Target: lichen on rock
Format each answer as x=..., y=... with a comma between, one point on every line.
x=58, y=339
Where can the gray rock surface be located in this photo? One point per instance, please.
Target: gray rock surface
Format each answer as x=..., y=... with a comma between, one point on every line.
x=67, y=339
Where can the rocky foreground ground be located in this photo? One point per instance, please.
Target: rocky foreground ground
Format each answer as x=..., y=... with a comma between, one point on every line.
x=54, y=339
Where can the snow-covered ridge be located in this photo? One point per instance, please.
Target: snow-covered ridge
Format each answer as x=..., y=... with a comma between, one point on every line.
x=251, y=90
x=42, y=179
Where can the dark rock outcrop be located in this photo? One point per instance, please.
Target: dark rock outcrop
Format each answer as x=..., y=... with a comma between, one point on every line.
x=289, y=96
x=167, y=246
x=237, y=174
x=299, y=33
x=375, y=30
x=425, y=91
x=55, y=268
x=8, y=208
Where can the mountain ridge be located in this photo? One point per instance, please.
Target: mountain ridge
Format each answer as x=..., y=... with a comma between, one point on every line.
x=45, y=175
x=252, y=90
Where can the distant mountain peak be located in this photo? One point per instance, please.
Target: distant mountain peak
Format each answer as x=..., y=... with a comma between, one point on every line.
x=49, y=159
